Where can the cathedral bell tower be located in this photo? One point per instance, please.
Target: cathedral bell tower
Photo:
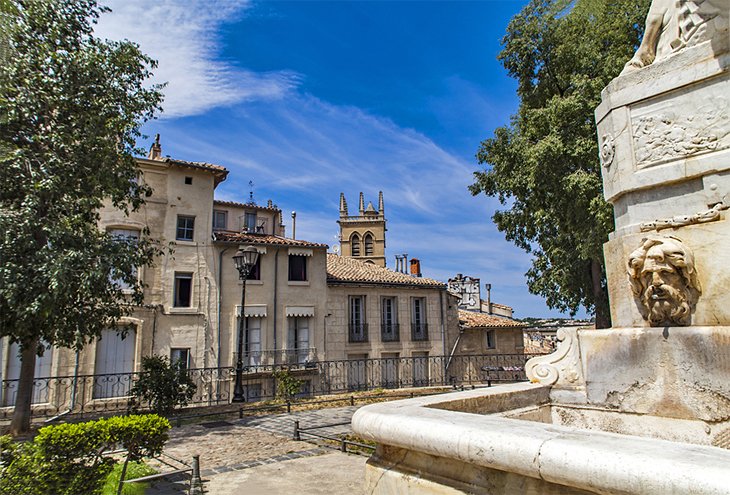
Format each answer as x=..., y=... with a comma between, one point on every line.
x=363, y=236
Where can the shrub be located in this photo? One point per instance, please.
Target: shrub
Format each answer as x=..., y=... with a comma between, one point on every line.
x=287, y=386
x=66, y=459
x=162, y=385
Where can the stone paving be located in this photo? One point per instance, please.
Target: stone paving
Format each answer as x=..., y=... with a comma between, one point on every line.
x=250, y=443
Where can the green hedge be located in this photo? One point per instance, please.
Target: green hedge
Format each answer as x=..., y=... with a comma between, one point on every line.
x=66, y=459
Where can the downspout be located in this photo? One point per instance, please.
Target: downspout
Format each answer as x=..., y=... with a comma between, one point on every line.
x=220, y=296
x=275, y=308
x=443, y=331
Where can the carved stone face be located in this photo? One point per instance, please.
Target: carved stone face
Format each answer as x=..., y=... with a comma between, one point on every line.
x=664, y=281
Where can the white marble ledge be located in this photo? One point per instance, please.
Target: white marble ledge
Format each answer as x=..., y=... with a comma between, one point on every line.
x=599, y=462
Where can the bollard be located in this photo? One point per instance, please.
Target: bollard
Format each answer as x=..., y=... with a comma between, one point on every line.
x=352, y=400
x=196, y=483
x=240, y=413
x=411, y=395
x=473, y=387
x=489, y=382
x=343, y=445
x=296, y=431
x=288, y=407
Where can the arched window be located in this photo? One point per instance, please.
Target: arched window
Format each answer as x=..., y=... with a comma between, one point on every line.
x=355, y=245
x=368, y=245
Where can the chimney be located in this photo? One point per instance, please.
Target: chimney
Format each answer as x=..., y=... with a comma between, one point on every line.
x=294, y=225
x=489, y=297
x=155, y=150
x=415, y=267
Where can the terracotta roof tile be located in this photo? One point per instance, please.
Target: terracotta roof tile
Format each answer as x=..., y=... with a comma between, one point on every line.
x=474, y=319
x=236, y=204
x=220, y=172
x=349, y=270
x=261, y=239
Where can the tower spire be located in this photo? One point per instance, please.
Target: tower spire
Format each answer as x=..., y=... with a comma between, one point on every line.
x=381, y=206
x=343, y=205
x=362, y=204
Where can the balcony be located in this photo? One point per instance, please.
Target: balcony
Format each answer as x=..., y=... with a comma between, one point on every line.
x=419, y=331
x=358, y=332
x=256, y=361
x=390, y=332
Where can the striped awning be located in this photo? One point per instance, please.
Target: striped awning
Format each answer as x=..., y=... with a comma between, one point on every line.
x=300, y=310
x=298, y=251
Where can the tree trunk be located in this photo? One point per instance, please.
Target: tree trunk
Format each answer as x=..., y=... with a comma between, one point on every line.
x=600, y=297
x=21, y=414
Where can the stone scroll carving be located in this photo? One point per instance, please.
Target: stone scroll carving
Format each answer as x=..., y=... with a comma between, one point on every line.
x=664, y=281
x=561, y=367
x=673, y=25
x=608, y=150
x=711, y=215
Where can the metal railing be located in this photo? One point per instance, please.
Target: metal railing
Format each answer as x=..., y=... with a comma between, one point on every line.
x=267, y=357
x=389, y=332
x=419, y=331
x=358, y=332
x=101, y=394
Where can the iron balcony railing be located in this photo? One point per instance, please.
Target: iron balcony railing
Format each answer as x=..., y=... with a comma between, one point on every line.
x=419, y=331
x=92, y=395
x=389, y=332
x=268, y=357
x=358, y=332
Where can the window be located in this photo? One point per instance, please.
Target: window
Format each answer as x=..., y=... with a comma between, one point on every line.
x=420, y=369
x=419, y=328
x=389, y=319
x=368, y=245
x=358, y=329
x=220, y=220
x=491, y=340
x=389, y=365
x=128, y=236
x=297, y=268
x=185, y=227
x=253, y=341
x=250, y=222
x=188, y=180
x=355, y=245
x=41, y=387
x=298, y=342
x=180, y=355
x=357, y=371
x=114, y=363
x=255, y=273
x=183, y=290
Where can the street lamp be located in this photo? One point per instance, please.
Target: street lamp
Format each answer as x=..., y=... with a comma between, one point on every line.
x=245, y=259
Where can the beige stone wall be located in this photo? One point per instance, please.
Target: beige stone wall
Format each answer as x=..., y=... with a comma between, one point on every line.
x=438, y=322
x=507, y=341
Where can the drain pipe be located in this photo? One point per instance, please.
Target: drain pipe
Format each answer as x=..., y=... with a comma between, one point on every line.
x=274, y=309
x=74, y=387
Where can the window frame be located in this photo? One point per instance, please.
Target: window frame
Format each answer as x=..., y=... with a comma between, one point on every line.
x=224, y=213
x=357, y=330
x=176, y=288
x=186, y=362
x=389, y=331
x=368, y=241
x=490, y=339
x=355, y=251
x=419, y=326
x=185, y=229
x=302, y=275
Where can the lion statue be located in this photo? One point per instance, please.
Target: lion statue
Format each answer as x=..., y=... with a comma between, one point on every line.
x=675, y=24
x=664, y=281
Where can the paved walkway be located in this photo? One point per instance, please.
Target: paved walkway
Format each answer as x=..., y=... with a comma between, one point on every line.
x=263, y=474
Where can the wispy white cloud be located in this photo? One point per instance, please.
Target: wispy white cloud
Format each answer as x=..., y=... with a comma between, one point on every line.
x=183, y=38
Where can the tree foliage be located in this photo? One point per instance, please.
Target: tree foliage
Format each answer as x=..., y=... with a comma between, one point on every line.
x=67, y=459
x=544, y=165
x=162, y=385
x=71, y=106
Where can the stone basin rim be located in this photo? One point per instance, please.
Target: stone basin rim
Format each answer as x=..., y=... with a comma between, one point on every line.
x=601, y=462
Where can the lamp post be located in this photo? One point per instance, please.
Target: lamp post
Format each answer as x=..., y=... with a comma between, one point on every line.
x=244, y=259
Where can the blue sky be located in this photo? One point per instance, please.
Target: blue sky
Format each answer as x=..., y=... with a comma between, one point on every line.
x=310, y=99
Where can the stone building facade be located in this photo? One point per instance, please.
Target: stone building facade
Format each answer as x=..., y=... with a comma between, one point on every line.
x=362, y=236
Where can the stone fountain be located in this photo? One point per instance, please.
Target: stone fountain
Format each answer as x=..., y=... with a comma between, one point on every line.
x=643, y=407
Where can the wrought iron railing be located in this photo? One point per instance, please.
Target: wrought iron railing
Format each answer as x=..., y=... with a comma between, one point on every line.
x=419, y=331
x=99, y=394
x=358, y=332
x=389, y=332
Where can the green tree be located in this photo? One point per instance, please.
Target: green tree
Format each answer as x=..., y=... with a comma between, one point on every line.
x=71, y=106
x=163, y=385
x=544, y=165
